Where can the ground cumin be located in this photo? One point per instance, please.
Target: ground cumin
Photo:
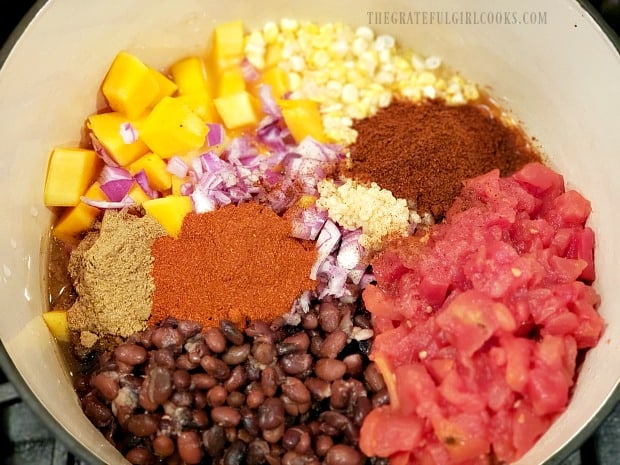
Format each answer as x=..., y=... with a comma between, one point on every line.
x=237, y=262
x=423, y=152
x=111, y=273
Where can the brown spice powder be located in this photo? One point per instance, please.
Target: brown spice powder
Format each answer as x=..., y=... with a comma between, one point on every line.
x=422, y=152
x=111, y=273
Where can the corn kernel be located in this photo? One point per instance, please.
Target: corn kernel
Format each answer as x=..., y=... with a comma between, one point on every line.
x=426, y=79
x=429, y=92
x=470, y=92
x=297, y=63
x=287, y=24
x=294, y=80
x=349, y=93
x=384, y=42
x=432, y=62
x=319, y=58
x=270, y=32
x=365, y=32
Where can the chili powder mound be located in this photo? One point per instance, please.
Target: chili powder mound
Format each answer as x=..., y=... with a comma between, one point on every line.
x=235, y=263
x=422, y=152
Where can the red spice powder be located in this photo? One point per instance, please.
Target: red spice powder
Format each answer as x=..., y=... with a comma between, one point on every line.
x=238, y=262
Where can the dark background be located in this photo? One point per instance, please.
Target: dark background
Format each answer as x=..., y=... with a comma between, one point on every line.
x=24, y=440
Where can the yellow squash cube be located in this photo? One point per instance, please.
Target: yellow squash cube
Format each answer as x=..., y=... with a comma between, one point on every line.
x=190, y=76
x=173, y=128
x=176, y=184
x=202, y=105
x=70, y=172
x=76, y=220
x=56, y=321
x=228, y=44
x=169, y=211
x=277, y=78
x=239, y=110
x=130, y=86
x=230, y=82
x=155, y=169
x=167, y=87
x=109, y=128
x=303, y=119
x=137, y=194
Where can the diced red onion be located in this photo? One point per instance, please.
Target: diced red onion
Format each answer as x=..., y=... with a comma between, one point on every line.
x=105, y=204
x=115, y=182
x=129, y=133
x=248, y=71
x=336, y=278
x=350, y=251
x=143, y=180
x=202, y=203
x=367, y=279
x=268, y=102
x=187, y=188
x=326, y=243
x=216, y=134
x=177, y=166
x=308, y=223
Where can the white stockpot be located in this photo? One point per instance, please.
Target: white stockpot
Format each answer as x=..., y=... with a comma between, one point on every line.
x=561, y=79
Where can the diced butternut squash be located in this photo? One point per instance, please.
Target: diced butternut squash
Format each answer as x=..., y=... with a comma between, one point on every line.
x=155, y=169
x=114, y=130
x=56, y=321
x=130, y=86
x=238, y=110
x=228, y=45
x=277, y=78
x=176, y=184
x=76, y=220
x=190, y=76
x=230, y=82
x=167, y=87
x=137, y=194
x=69, y=173
x=169, y=211
x=303, y=119
x=202, y=105
x=172, y=128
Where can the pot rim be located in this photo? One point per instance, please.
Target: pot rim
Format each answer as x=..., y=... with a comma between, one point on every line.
x=78, y=449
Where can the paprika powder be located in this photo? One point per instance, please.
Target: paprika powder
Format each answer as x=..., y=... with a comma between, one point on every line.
x=236, y=263
x=423, y=151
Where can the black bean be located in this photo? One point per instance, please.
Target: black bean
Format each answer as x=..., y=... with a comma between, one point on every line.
x=333, y=344
x=225, y=416
x=181, y=379
x=139, y=456
x=159, y=385
x=189, y=328
x=296, y=364
x=237, y=379
x=300, y=340
x=330, y=369
x=263, y=352
x=322, y=444
x=255, y=396
x=214, y=441
x=215, y=340
x=271, y=413
x=200, y=419
x=335, y=419
x=235, y=399
x=164, y=358
x=295, y=389
x=269, y=383
x=200, y=399
x=329, y=316
x=363, y=406
x=235, y=454
x=380, y=398
x=145, y=338
x=168, y=338
x=373, y=378
x=96, y=411
x=273, y=435
x=319, y=388
x=215, y=367
x=257, y=451
x=216, y=396
x=184, y=363
x=107, y=384
x=354, y=363
x=196, y=349
x=249, y=421
x=202, y=381
x=142, y=424
x=298, y=439
x=310, y=320
x=236, y=354
x=285, y=348
x=342, y=454
x=182, y=398
x=163, y=446
x=258, y=328
x=188, y=445
x=231, y=332
x=316, y=342
x=132, y=354
x=341, y=394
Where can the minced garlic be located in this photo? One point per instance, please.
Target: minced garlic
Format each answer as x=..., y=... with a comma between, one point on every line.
x=375, y=210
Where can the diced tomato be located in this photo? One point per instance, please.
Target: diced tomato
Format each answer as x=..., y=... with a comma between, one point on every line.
x=454, y=390
x=415, y=389
x=527, y=427
x=518, y=354
x=385, y=432
x=538, y=178
x=501, y=425
x=569, y=208
x=379, y=303
x=590, y=324
x=388, y=267
x=560, y=324
x=584, y=250
x=464, y=435
x=547, y=390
